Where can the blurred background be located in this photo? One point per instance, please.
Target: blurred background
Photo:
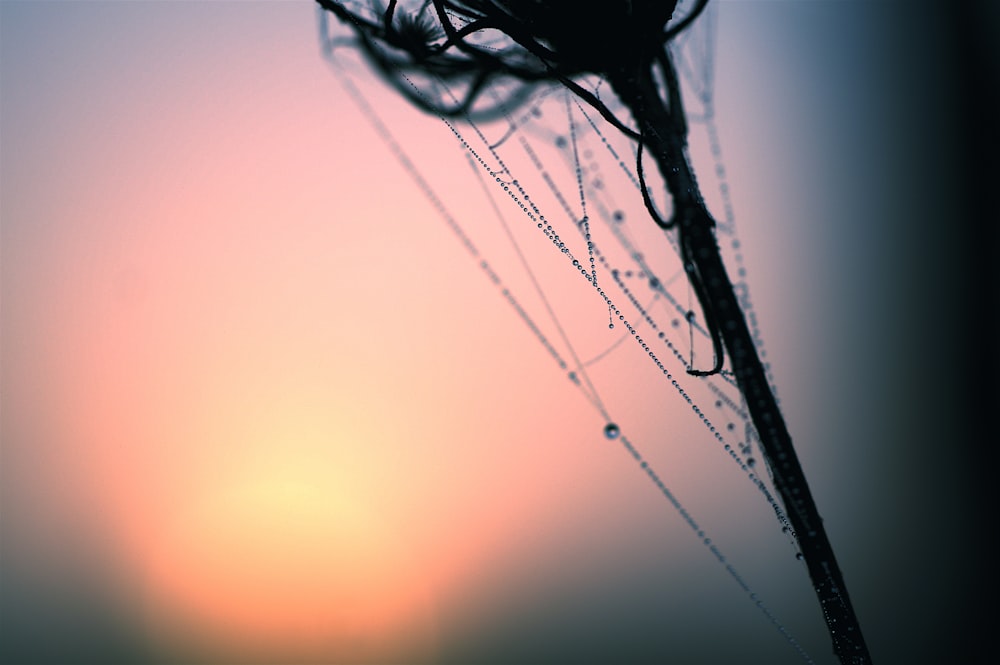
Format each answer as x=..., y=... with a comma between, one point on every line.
x=259, y=405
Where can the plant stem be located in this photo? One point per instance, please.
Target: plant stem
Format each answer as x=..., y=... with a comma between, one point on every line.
x=663, y=128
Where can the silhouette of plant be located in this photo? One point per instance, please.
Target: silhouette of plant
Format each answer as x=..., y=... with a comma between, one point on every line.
x=510, y=46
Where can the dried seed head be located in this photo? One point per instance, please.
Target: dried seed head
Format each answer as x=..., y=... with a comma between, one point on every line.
x=470, y=45
x=595, y=37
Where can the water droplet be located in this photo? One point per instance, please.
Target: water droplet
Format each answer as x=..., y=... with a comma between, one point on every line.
x=751, y=462
x=798, y=555
x=611, y=431
x=560, y=141
x=618, y=216
x=611, y=325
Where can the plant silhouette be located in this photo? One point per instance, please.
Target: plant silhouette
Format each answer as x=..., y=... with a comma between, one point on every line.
x=626, y=45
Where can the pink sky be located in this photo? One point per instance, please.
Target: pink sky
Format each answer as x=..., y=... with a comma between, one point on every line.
x=259, y=403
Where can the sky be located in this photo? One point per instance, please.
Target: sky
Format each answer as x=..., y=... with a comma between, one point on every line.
x=260, y=405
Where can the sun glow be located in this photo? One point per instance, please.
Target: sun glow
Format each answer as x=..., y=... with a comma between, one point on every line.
x=284, y=552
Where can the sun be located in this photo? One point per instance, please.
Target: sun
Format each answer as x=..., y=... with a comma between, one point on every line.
x=284, y=555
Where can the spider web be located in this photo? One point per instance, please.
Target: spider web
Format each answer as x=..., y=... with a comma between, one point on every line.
x=555, y=179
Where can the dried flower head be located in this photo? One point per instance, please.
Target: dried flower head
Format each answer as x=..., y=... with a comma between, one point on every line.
x=510, y=45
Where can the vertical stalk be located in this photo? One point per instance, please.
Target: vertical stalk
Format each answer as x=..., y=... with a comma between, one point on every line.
x=663, y=128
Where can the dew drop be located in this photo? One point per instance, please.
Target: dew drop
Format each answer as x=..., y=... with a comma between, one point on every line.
x=798, y=555
x=751, y=462
x=611, y=431
x=618, y=216
x=560, y=141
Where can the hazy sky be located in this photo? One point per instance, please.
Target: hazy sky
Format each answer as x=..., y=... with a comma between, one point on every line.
x=259, y=404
